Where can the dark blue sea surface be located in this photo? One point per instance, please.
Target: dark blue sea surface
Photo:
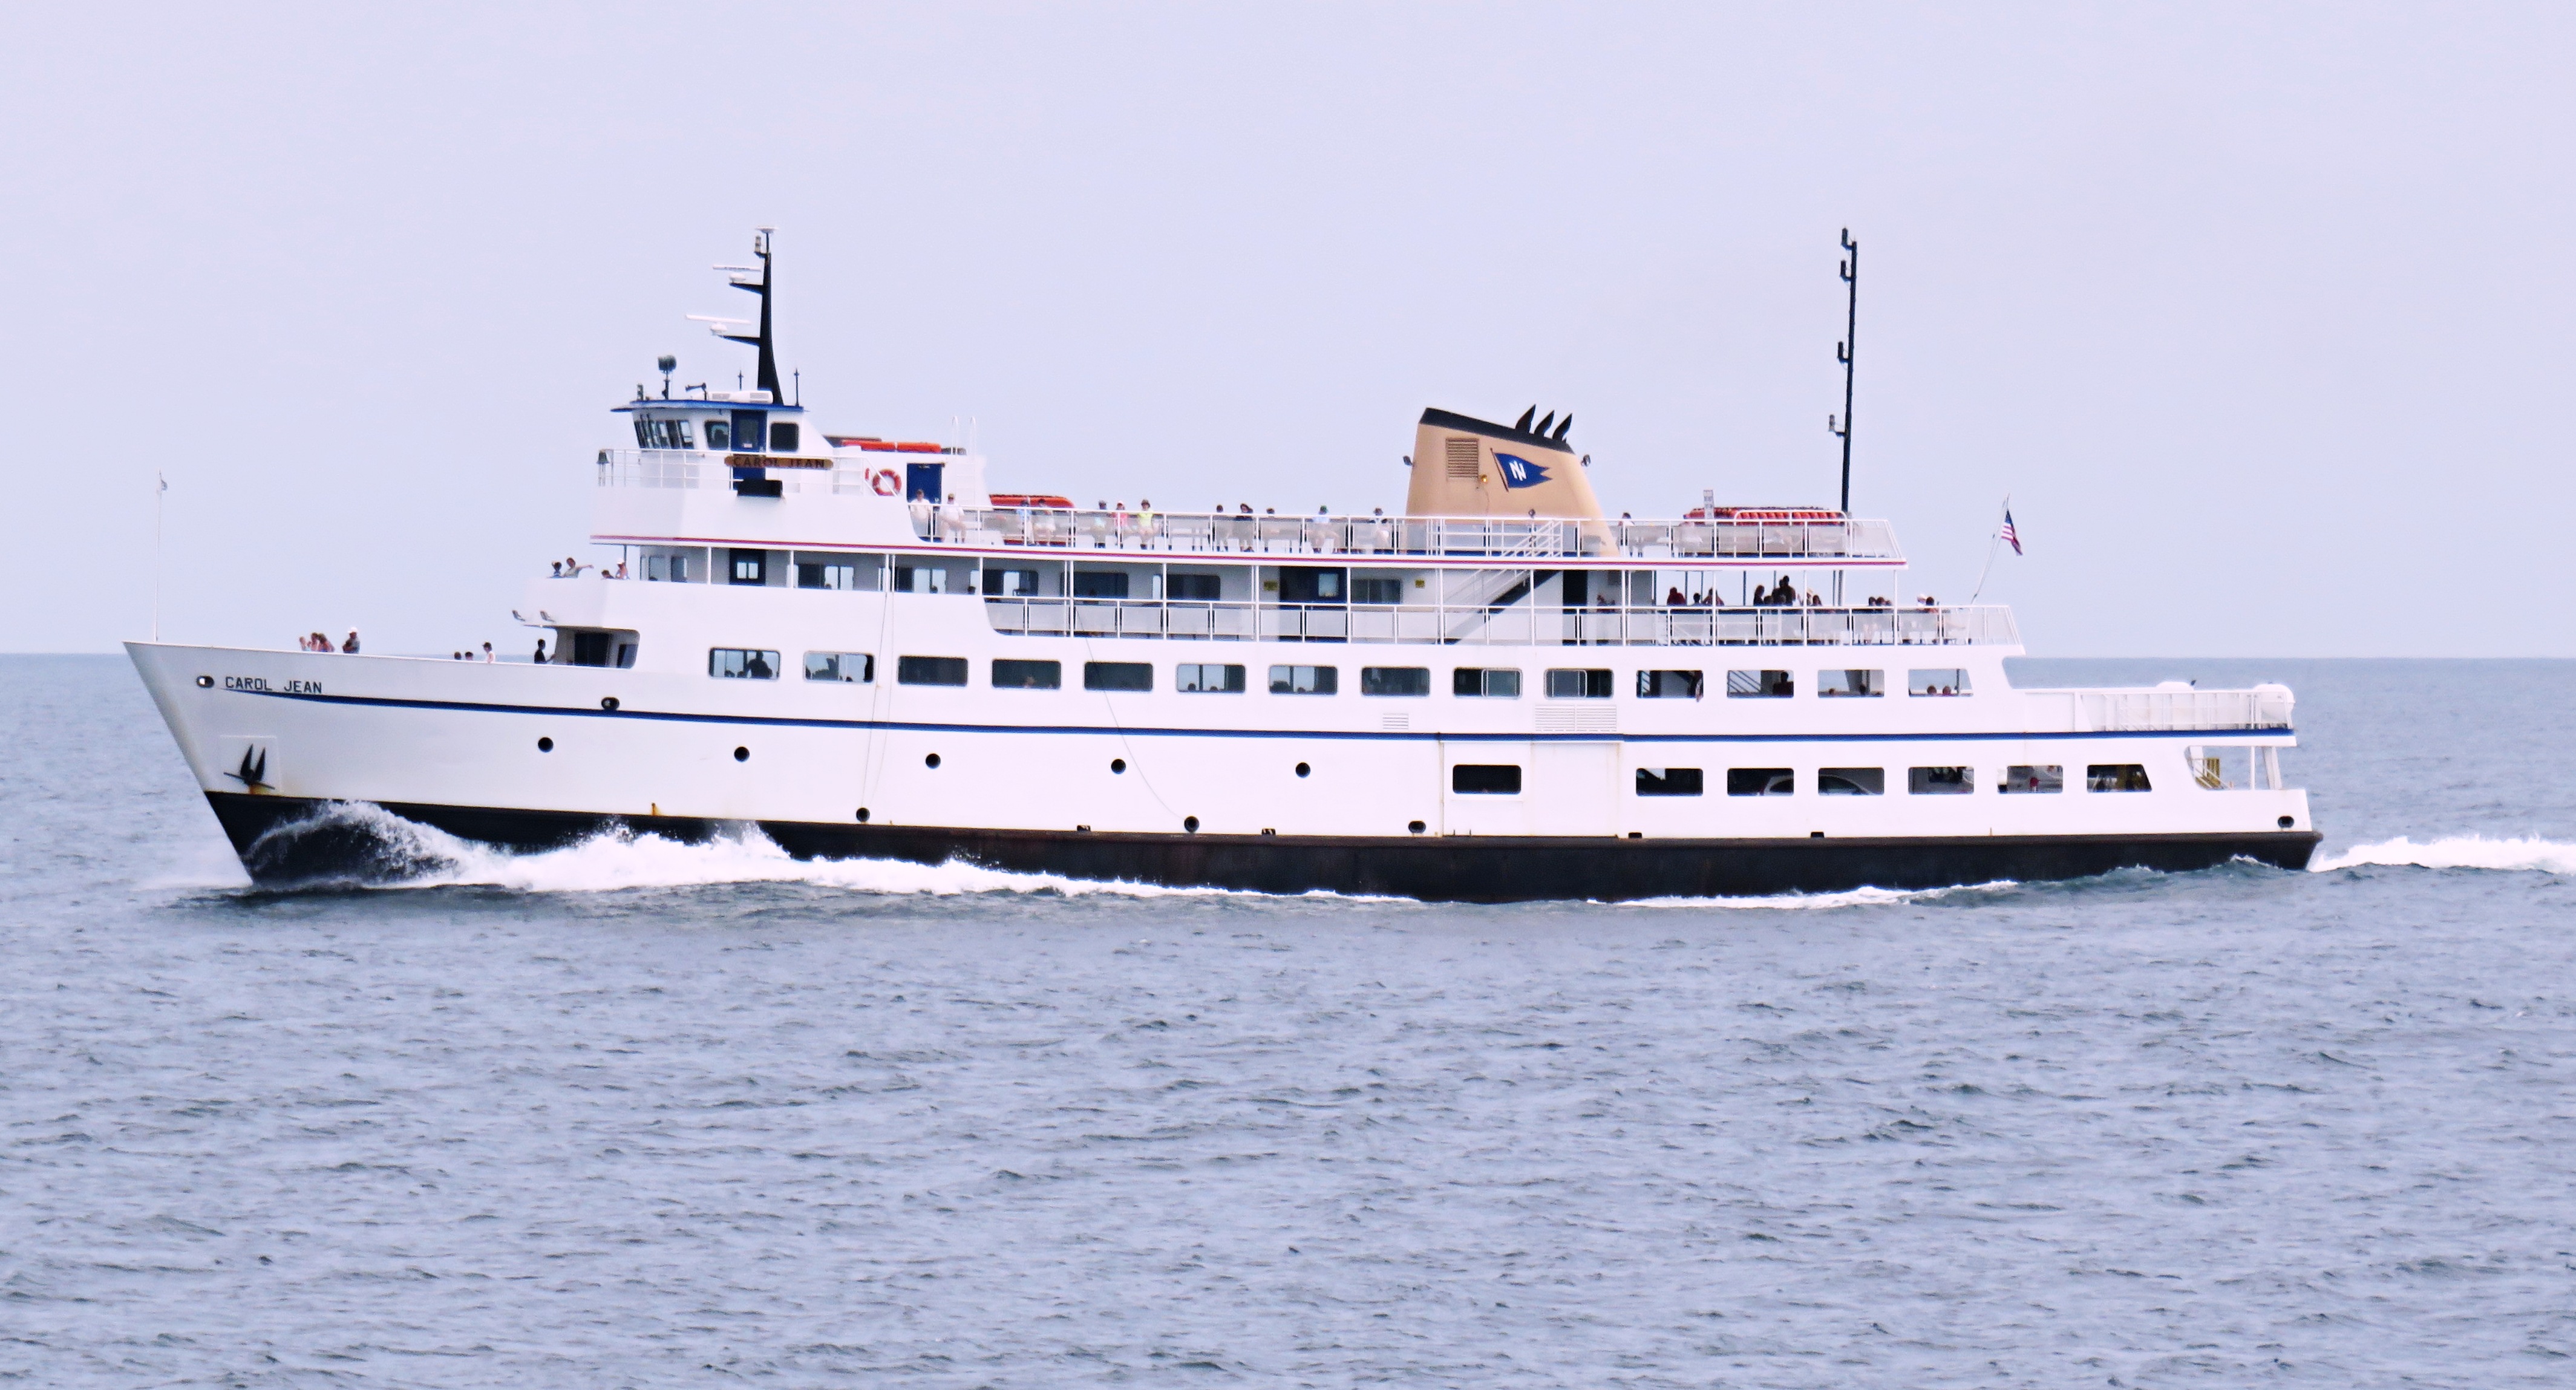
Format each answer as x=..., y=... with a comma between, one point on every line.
x=655, y=1115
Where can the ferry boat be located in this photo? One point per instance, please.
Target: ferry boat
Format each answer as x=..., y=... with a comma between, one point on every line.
x=1500, y=692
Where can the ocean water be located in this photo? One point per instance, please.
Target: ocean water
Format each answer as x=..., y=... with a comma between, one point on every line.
x=642, y=1114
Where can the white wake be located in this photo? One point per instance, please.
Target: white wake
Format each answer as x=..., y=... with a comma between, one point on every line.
x=420, y=856
x=2529, y=854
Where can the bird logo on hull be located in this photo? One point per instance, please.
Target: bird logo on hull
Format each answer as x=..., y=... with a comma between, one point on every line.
x=253, y=771
x=1519, y=472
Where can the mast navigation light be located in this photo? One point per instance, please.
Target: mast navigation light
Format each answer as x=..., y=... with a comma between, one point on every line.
x=668, y=364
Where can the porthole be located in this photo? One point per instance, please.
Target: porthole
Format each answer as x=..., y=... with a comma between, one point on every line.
x=1302, y=769
x=742, y=755
x=545, y=745
x=863, y=815
x=2288, y=821
x=1117, y=764
x=608, y=703
x=1190, y=824
x=1414, y=826
x=205, y=682
x=931, y=761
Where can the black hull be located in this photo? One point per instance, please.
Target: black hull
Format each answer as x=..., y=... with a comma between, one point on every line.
x=285, y=841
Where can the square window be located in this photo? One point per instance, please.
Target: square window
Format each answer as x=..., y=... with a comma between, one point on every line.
x=1485, y=779
x=1207, y=678
x=1305, y=680
x=1759, y=685
x=1578, y=685
x=1670, y=685
x=856, y=668
x=930, y=670
x=1851, y=781
x=2043, y=779
x=1027, y=675
x=1839, y=684
x=1761, y=781
x=2116, y=777
x=1668, y=781
x=1940, y=781
x=1485, y=682
x=1117, y=675
x=1395, y=680
x=742, y=663
x=1939, y=680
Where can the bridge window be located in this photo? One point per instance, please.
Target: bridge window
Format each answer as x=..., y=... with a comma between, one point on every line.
x=930, y=670
x=1668, y=781
x=719, y=434
x=1027, y=675
x=1841, y=684
x=663, y=434
x=1760, y=781
x=742, y=663
x=1207, y=679
x=1305, y=680
x=1940, y=781
x=1578, y=685
x=1759, y=685
x=782, y=437
x=1943, y=680
x=1851, y=781
x=1117, y=675
x=2044, y=779
x=1485, y=682
x=1670, y=685
x=2116, y=777
x=855, y=668
x=1485, y=779
x=1395, y=680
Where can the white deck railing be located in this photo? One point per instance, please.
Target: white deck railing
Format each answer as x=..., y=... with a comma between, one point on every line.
x=1857, y=540
x=1516, y=625
x=1360, y=537
x=2121, y=711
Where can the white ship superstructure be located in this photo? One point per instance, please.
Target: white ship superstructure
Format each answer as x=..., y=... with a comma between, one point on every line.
x=1502, y=693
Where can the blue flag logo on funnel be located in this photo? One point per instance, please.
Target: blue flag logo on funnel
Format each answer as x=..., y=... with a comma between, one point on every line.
x=1518, y=471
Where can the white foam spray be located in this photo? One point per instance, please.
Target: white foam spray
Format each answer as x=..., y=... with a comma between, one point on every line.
x=2528, y=854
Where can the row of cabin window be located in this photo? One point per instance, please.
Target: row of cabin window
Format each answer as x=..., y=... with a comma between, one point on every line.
x=1504, y=779
x=674, y=434
x=1471, y=682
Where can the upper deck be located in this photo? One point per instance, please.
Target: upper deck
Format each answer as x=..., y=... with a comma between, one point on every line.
x=1757, y=537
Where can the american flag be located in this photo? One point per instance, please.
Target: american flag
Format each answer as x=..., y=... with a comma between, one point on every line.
x=2011, y=537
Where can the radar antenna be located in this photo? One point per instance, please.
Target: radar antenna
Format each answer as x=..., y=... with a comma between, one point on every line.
x=756, y=279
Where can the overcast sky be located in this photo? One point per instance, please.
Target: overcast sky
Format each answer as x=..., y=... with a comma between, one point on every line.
x=2259, y=313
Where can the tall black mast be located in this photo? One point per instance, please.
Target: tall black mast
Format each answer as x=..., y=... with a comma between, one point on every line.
x=768, y=342
x=1843, y=352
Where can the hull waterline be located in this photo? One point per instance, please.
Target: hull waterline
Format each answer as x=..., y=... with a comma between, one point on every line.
x=284, y=841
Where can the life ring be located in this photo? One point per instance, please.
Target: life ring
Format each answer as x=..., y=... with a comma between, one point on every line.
x=884, y=481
